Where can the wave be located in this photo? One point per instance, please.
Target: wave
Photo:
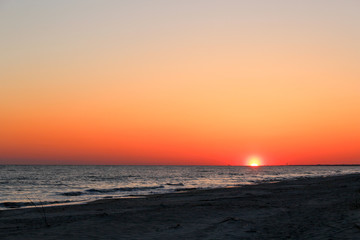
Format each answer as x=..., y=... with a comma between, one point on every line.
x=118, y=178
x=72, y=193
x=111, y=190
x=185, y=189
x=175, y=184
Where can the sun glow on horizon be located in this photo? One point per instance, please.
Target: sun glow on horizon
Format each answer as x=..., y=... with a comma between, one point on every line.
x=254, y=161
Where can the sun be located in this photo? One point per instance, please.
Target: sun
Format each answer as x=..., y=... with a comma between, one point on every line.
x=254, y=161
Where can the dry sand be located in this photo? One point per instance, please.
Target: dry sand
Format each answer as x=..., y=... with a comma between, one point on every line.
x=316, y=208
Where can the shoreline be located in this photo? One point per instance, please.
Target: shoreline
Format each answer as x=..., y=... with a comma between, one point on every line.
x=316, y=208
x=44, y=203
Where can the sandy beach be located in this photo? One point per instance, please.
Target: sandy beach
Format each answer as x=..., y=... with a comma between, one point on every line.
x=313, y=208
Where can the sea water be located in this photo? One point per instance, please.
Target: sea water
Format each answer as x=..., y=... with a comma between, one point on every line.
x=26, y=186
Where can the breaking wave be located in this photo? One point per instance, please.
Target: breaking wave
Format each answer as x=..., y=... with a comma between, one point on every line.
x=110, y=190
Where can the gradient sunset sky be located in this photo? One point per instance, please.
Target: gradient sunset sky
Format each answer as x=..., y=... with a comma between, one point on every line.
x=180, y=82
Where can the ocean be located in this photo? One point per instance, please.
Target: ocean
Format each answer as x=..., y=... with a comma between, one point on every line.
x=30, y=185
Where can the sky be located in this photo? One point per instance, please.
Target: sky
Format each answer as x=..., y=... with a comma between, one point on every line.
x=196, y=82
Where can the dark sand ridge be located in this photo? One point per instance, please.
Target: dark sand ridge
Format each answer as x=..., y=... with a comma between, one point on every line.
x=314, y=208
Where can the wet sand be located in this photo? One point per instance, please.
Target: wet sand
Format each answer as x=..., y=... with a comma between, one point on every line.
x=314, y=208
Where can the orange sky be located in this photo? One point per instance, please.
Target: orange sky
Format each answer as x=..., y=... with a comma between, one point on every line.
x=187, y=82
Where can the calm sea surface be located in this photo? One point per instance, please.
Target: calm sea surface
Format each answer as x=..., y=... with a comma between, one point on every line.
x=23, y=186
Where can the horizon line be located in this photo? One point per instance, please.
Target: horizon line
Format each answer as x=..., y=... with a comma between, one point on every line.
x=227, y=165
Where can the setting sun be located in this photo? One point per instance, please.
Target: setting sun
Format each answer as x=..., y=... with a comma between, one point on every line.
x=254, y=161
